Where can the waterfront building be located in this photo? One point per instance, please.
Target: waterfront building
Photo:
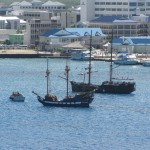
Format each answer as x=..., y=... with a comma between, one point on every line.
x=39, y=22
x=4, y=34
x=11, y=22
x=11, y=25
x=7, y=22
x=43, y=16
x=91, y=9
x=35, y=27
x=56, y=38
x=16, y=39
x=140, y=45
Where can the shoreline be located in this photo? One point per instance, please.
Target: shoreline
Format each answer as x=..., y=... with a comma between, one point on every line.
x=30, y=53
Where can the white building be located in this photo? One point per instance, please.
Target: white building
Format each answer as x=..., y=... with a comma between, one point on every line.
x=138, y=25
x=4, y=34
x=11, y=22
x=35, y=27
x=139, y=45
x=56, y=38
x=91, y=9
x=37, y=5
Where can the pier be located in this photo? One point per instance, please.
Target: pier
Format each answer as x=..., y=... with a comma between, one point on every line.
x=31, y=53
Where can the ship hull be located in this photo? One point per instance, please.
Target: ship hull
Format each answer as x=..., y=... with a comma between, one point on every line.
x=80, y=100
x=105, y=87
x=64, y=104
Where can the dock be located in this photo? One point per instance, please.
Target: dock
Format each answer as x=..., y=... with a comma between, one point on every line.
x=31, y=53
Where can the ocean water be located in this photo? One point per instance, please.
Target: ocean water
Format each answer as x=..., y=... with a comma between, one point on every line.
x=112, y=122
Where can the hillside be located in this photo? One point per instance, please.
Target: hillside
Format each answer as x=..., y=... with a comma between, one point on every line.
x=68, y=3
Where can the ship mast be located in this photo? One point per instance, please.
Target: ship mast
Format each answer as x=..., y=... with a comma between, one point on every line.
x=47, y=77
x=67, y=69
x=111, y=57
x=90, y=58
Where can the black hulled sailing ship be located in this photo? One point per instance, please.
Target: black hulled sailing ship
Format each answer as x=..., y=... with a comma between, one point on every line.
x=78, y=100
x=110, y=86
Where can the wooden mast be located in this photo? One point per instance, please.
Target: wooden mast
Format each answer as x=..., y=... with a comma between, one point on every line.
x=67, y=69
x=47, y=77
x=90, y=58
x=111, y=58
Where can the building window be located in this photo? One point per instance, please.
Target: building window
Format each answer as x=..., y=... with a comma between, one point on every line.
x=120, y=32
x=148, y=3
x=113, y=9
x=127, y=32
x=120, y=26
x=133, y=32
x=119, y=9
x=142, y=9
x=132, y=4
x=108, y=3
x=102, y=9
x=108, y=9
x=119, y=3
x=133, y=27
x=132, y=9
x=96, y=3
x=113, y=3
x=101, y=3
x=127, y=26
x=125, y=9
x=97, y=15
x=141, y=4
x=125, y=3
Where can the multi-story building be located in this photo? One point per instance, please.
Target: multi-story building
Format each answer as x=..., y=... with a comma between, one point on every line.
x=10, y=25
x=43, y=16
x=39, y=22
x=35, y=27
x=91, y=9
x=136, y=26
x=37, y=5
x=4, y=34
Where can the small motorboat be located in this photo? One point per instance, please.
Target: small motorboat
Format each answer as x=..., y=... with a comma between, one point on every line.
x=81, y=54
x=16, y=96
x=123, y=58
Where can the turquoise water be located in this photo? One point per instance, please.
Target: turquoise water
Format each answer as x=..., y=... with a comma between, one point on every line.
x=113, y=122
